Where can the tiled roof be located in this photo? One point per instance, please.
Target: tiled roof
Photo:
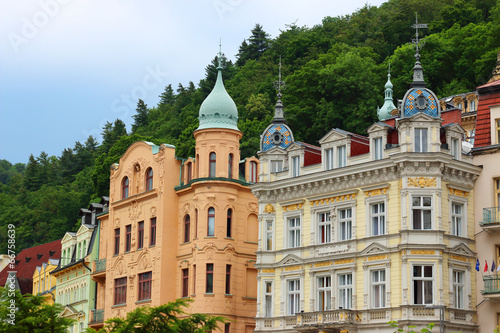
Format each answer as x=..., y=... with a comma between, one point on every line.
x=24, y=270
x=312, y=154
x=489, y=94
x=451, y=116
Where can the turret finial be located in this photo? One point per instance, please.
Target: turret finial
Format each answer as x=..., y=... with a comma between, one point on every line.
x=219, y=56
x=418, y=71
x=278, y=108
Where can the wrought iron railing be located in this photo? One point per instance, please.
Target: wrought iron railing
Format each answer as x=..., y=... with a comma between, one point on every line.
x=491, y=284
x=100, y=265
x=97, y=316
x=491, y=215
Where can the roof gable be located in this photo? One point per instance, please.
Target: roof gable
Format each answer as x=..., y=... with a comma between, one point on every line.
x=334, y=135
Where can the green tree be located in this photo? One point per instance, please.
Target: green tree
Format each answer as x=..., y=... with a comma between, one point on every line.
x=33, y=175
x=257, y=44
x=426, y=329
x=111, y=133
x=141, y=117
x=167, y=97
x=163, y=318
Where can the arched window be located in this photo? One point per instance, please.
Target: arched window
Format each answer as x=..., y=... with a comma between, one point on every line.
x=472, y=105
x=149, y=179
x=189, y=171
x=211, y=171
x=230, y=166
x=187, y=228
x=79, y=253
x=211, y=222
x=229, y=222
x=84, y=249
x=197, y=166
x=125, y=188
x=253, y=172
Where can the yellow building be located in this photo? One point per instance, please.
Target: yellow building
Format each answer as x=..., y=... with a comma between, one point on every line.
x=364, y=230
x=181, y=228
x=43, y=282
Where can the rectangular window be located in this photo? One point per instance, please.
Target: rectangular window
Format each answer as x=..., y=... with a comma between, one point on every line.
x=422, y=212
x=345, y=224
x=341, y=156
x=456, y=219
x=211, y=222
x=293, y=232
x=455, y=149
x=420, y=140
x=268, y=299
x=324, y=293
x=276, y=166
x=187, y=228
x=293, y=293
x=210, y=279
x=497, y=193
x=117, y=241
x=253, y=172
x=378, y=288
x=345, y=291
x=377, y=143
x=295, y=166
x=269, y=235
x=227, y=328
x=422, y=284
x=377, y=215
x=140, y=235
x=121, y=291
x=325, y=228
x=458, y=289
x=228, y=279
x=194, y=279
x=229, y=223
x=189, y=172
x=329, y=159
x=145, y=286
x=152, y=240
x=185, y=282
x=497, y=130
x=128, y=238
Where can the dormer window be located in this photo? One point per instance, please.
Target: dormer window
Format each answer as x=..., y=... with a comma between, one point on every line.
x=421, y=140
x=497, y=130
x=341, y=156
x=472, y=105
x=455, y=151
x=377, y=145
x=276, y=166
x=295, y=166
x=329, y=159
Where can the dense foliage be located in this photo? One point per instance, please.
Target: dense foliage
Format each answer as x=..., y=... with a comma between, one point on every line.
x=335, y=74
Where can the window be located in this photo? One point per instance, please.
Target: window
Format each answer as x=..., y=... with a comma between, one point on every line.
x=189, y=172
x=497, y=193
x=345, y=224
x=377, y=143
x=125, y=188
x=128, y=238
x=187, y=228
x=230, y=166
x=121, y=291
x=497, y=130
x=228, y=279
x=293, y=232
x=456, y=219
x=268, y=299
x=472, y=105
x=140, y=235
x=422, y=284
x=185, y=282
x=341, y=156
x=295, y=166
x=329, y=159
x=324, y=292
x=276, y=166
x=211, y=171
x=458, y=289
x=117, y=241
x=210, y=279
x=152, y=240
x=229, y=222
x=293, y=295
x=455, y=149
x=422, y=209
x=420, y=140
x=149, y=179
x=227, y=328
x=253, y=172
x=145, y=286
x=345, y=291
x=211, y=221
x=194, y=279
x=269, y=235
x=196, y=223
x=377, y=218
x=378, y=288
x=325, y=228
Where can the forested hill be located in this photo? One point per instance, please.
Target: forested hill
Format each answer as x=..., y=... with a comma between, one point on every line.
x=335, y=74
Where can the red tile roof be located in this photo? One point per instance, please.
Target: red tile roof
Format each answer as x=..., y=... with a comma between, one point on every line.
x=26, y=267
x=312, y=154
x=451, y=116
x=489, y=94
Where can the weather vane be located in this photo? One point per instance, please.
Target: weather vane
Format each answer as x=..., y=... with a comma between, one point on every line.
x=220, y=54
x=279, y=85
x=418, y=43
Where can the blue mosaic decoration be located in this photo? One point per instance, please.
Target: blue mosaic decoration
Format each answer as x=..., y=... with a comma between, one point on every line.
x=420, y=100
x=277, y=136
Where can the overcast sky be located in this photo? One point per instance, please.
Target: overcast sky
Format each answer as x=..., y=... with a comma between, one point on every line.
x=68, y=66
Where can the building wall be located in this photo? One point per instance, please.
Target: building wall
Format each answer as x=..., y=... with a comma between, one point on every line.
x=44, y=282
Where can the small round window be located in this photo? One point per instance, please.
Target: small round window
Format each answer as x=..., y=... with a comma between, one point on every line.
x=421, y=102
x=277, y=138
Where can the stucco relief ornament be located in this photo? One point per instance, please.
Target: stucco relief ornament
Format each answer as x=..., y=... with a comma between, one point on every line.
x=186, y=208
x=210, y=253
x=253, y=207
x=144, y=263
x=134, y=210
x=152, y=211
x=117, y=223
x=269, y=209
x=422, y=182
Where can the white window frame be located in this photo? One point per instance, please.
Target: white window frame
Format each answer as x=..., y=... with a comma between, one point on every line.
x=379, y=301
x=295, y=163
x=344, y=232
x=323, y=292
x=421, y=141
x=324, y=225
x=424, y=280
x=341, y=156
x=379, y=215
x=329, y=159
x=454, y=148
x=422, y=208
x=345, y=290
x=293, y=291
x=276, y=166
x=268, y=299
x=378, y=148
x=269, y=234
x=457, y=219
x=458, y=289
x=294, y=236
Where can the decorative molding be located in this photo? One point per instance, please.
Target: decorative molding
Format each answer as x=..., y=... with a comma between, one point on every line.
x=458, y=193
x=422, y=182
x=269, y=209
x=292, y=207
x=331, y=200
x=423, y=252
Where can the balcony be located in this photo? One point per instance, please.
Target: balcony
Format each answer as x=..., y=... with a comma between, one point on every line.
x=96, y=318
x=491, y=287
x=491, y=219
x=99, y=270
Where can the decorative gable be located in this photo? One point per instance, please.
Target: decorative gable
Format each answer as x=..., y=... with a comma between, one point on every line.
x=290, y=260
x=374, y=248
x=334, y=135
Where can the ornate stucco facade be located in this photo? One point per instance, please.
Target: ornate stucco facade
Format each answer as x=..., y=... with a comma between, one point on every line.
x=44, y=283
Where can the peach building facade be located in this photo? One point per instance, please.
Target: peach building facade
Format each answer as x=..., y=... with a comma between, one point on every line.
x=182, y=228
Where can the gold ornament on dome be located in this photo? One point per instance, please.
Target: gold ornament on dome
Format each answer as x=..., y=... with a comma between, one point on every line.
x=422, y=182
x=269, y=209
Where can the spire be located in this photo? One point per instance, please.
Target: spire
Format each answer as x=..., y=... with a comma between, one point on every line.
x=418, y=71
x=278, y=108
x=219, y=56
x=385, y=111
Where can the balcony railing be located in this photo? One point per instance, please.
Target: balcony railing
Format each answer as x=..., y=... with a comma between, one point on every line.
x=97, y=316
x=491, y=284
x=99, y=266
x=490, y=216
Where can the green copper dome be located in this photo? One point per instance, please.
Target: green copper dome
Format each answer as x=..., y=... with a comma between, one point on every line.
x=218, y=110
x=385, y=111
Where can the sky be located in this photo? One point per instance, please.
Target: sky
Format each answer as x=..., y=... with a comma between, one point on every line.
x=69, y=66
